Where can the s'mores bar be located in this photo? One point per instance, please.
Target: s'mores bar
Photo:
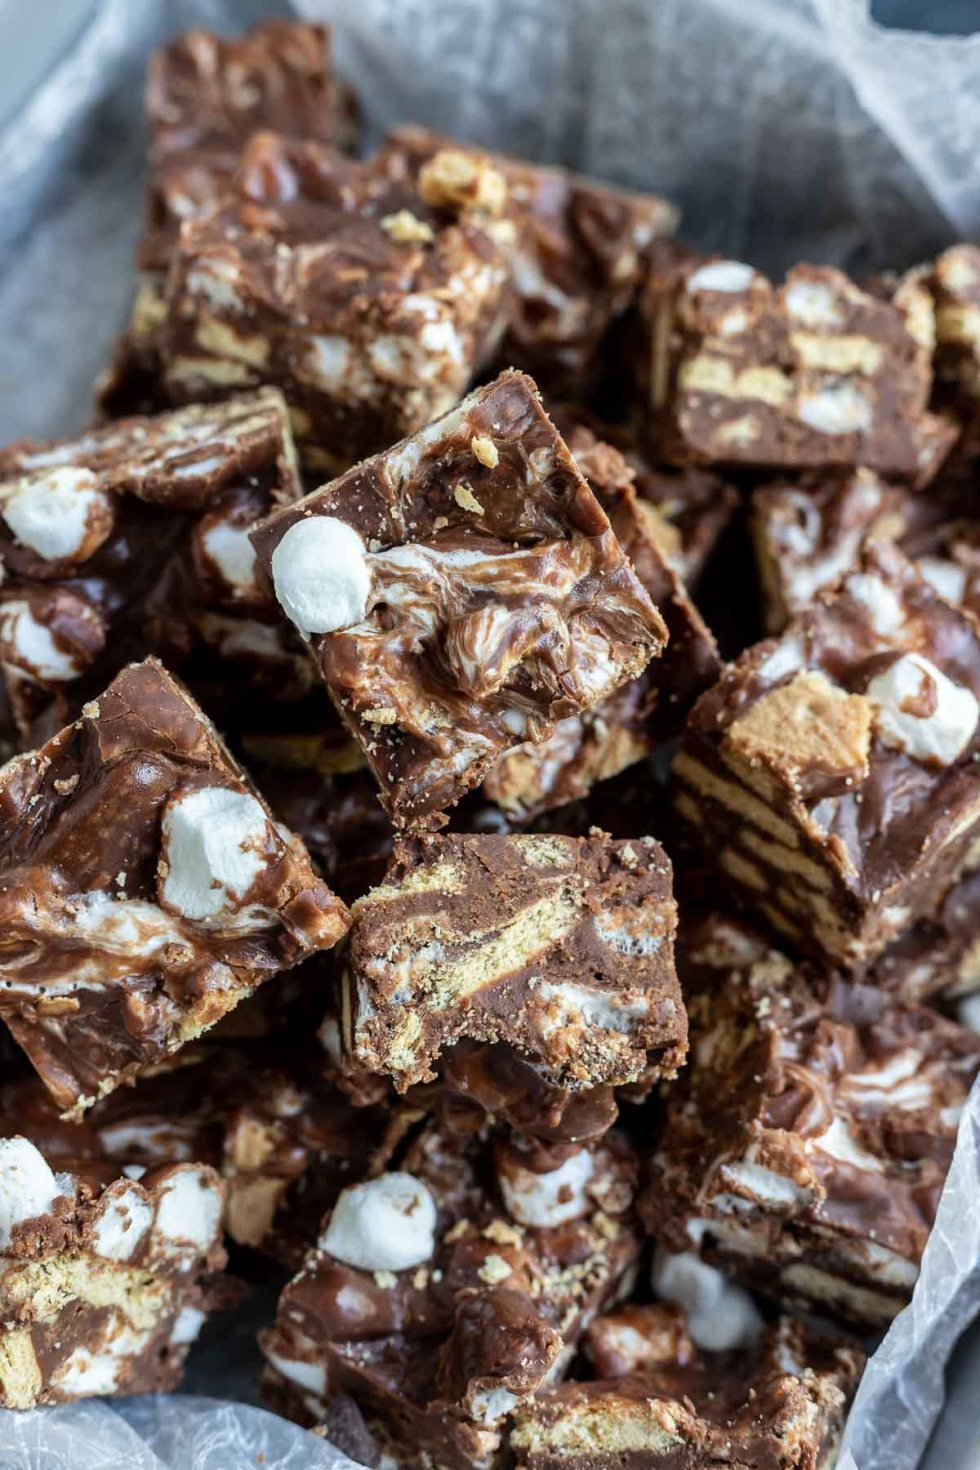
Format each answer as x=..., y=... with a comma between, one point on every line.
x=646, y=712
x=205, y=96
x=104, y=1279
x=133, y=538
x=576, y=259
x=811, y=373
x=144, y=889
x=664, y=1404
x=444, y=1293
x=809, y=532
x=369, y=308
x=561, y=948
x=808, y=1145
x=832, y=774
x=463, y=592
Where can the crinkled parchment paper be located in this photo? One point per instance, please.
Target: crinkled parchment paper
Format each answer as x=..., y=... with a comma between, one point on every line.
x=786, y=130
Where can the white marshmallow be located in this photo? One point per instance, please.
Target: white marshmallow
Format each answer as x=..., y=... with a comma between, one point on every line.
x=187, y=1326
x=188, y=1216
x=881, y=602
x=489, y=1405
x=969, y=1012
x=719, y=1314
x=838, y=408
x=813, y=304
x=124, y=1216
x=311, y=1376
x=32, y=645
x=233, y=554
x=941, y=736
x=544, y=1201
x=721, y=275
x=27, y=1186
x=214, y=841
x=52, y=513
x=947, y=578
x=385, y=1224
x=321, y=575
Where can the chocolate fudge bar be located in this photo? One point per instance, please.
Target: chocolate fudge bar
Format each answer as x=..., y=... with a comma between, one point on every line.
x=832, y=774
x=808, y=1145
x=104, y=1279
x=576, y=262
x=463, y=592
x=144, y=889
x=646, y=712
x=443, y=1293
x=809, y=532
x=955, y=284
x=813, y=373
x=780, y=1406
x=132, y=538
x=205, y=97
x=560, y=947
x=369, y=308
x=938, y=959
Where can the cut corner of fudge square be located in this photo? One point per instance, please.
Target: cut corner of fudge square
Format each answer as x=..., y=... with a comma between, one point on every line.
x=806, y=1148
x=559, y=948
x=447, y=1290
x=463, y=591
x=105, y=1280
x=814, y=372
x=832, y=774
x=781, y=1402
x=145, y=888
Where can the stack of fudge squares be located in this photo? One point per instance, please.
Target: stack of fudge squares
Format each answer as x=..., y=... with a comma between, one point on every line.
x=360, y=666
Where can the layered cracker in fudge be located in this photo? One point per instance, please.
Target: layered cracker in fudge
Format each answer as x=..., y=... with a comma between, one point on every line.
x=105, y=1280
x=807, y=1148
x=832, y=775
x=955, y=283
x=660, y=1402
x=144, y=889
x=809, y=532
x=132, y=538
x=205, y=96
x=811, y=373
x=559, y=947
x=649, y=710
x=577, y=257
x=464, y=592
x=445, y=1292
x=369, y=308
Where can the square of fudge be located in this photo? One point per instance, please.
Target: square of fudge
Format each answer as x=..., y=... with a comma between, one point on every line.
x=643, y=714
x=444, y=1292
x=832, y=774
x=559, y=947
x=780, y=1404
x=105, y=1280
x=815, y=372
x=577, y=257
x=205, y=96
x=809, y=532
x=807, y=1146
x=954, y=281
x=145, y=889
x=370, y=309
x=463, y=592
x=133, y=538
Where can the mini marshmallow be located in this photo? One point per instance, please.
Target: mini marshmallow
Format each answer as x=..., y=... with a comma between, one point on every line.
x=123, y=1217
x=188, y=1216
x=321, y=575
x=543, y=1201
x=968, y=1012
x=215, y=844
x=945, y=577
x=721, y=275
x=56, y=513
x=385, y=1224
x=231, y=551
x=33, y=646
x=813, y=304
x=719, y=1314
x=28, y=1188
x=839, y=408
x=910, y=683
